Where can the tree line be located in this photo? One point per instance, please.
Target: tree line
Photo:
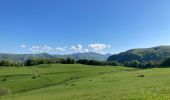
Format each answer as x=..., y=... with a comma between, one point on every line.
x=38, y=61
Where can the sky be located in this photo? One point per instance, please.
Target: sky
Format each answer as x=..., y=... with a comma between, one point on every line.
x=75, y=26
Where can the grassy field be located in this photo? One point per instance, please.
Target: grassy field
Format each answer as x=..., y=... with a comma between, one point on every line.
x=83, y=82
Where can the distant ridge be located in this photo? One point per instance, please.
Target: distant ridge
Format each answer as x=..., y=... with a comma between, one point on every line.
x=88, y=56
x=23, y=57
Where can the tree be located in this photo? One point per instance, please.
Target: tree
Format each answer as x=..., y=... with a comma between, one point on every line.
x=5, y=63
x=113, y=63
x=31, y=62
x=166, y=62
x=94, y=62
x=134, y=63
x=83, y=61
x=151, y=64
x=68, y=61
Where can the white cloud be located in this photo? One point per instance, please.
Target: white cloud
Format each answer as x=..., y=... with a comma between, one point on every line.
x=60, y=49
x=41, y=49
x=86, y=50
x=77, y=48
x=98, y=47
x=23, y=46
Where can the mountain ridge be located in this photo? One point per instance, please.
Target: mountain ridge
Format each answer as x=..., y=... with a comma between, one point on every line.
x=23, y=57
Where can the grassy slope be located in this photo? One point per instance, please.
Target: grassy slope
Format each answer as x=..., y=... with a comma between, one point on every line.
x=81, y=82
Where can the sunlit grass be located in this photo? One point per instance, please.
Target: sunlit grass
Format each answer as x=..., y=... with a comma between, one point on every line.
x=83, y=82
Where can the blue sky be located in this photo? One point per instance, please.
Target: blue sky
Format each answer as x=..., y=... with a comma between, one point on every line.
x=69, y=26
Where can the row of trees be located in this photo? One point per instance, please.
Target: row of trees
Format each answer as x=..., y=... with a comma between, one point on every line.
x=31, y=62
x=102, y=63
x=11, y=63
x=134, y=63
x=38, y=61
x=149, y=64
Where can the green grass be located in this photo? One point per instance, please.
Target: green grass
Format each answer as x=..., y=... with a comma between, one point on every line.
x=83, y=82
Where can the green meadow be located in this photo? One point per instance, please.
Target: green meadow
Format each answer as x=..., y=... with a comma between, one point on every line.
x=84, y=82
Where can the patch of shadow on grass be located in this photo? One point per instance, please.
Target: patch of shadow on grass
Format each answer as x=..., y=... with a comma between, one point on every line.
x=45, y=86
x=15, y=75
x=4, y=91
x=61, y=72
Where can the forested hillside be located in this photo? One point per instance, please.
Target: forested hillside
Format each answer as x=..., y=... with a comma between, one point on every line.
x=143, y=55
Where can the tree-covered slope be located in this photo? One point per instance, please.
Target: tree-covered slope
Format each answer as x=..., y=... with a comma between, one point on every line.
x=158, y=53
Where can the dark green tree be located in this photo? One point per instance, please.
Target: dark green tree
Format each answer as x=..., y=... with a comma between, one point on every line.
x=166, y=62
x=5, y=63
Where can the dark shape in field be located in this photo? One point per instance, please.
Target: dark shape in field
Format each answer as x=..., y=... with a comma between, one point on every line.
x=100, y=73
x=141, y=75
x=66, y=84
x=72, y=78
x=72, y=85
x=4, y=79
x=34, y=77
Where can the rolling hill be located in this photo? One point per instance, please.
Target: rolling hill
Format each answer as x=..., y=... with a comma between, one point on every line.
x=158, y=53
